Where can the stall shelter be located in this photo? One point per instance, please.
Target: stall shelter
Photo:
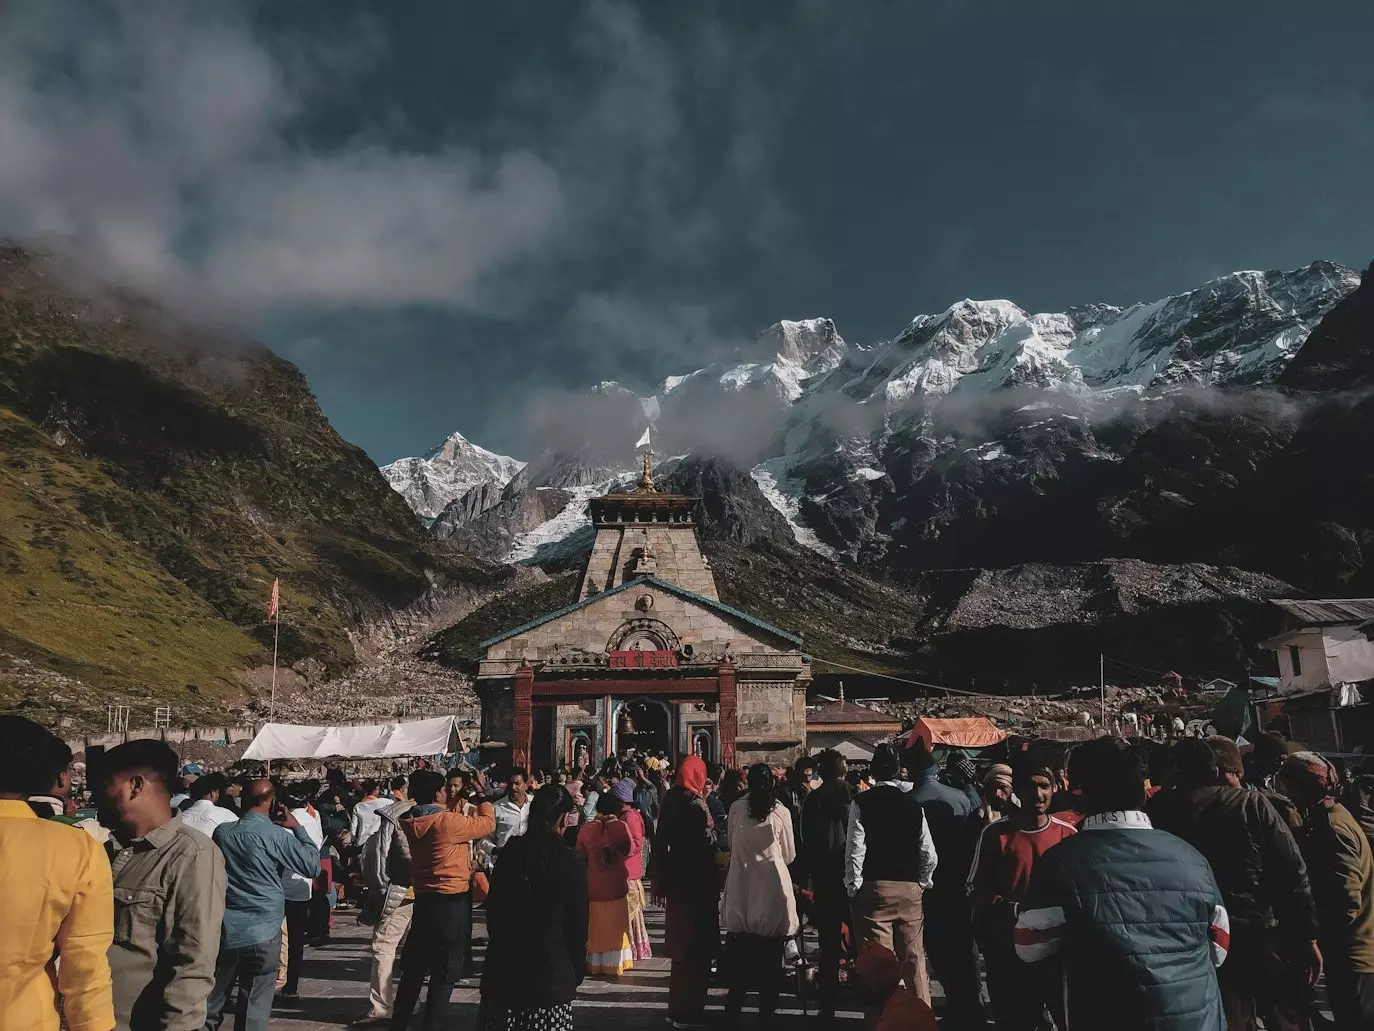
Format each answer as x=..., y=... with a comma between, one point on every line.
x=965, y=733
x=374, y=741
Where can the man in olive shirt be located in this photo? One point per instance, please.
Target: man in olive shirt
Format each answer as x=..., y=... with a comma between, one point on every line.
x=168, y=891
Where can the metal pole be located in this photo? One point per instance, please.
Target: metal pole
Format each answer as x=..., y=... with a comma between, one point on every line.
x=1102, y=685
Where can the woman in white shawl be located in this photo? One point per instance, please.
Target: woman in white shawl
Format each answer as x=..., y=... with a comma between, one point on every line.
x=759, y=912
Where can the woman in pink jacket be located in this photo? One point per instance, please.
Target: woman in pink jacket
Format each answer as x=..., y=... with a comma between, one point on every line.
x=624, y=792
x=605, y=844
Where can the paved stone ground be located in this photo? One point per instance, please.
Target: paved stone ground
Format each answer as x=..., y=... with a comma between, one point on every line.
x=334, y=989
x=334, y=986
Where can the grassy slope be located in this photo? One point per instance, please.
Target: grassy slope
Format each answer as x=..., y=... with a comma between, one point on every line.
x=79, y=597
x=153, y=481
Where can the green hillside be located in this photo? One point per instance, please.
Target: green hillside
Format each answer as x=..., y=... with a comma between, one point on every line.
x=154, y=479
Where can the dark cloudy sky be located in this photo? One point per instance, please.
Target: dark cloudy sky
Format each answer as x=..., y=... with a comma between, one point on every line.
x=448, y=212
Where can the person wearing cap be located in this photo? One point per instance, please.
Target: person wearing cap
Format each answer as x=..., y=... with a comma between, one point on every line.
x=996, y=801
x=890, y=863
x=962, y=774
x=623, y=791
x=1341, y=868
x=1007, y=854
x=1273, y=959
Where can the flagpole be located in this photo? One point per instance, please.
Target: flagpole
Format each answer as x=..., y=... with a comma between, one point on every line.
x=276, y=639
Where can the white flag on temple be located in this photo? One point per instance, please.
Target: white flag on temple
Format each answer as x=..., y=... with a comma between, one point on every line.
x=644, y=440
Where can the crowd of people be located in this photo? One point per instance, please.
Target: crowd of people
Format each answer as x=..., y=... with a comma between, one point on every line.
x=1119, y=885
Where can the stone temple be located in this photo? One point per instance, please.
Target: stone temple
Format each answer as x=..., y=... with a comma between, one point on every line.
x=647, y=658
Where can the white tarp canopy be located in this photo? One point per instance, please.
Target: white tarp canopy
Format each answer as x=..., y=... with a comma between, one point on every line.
x=377, y=741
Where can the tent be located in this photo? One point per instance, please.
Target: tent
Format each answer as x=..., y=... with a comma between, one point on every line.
x=970, y=732
x=376, y=741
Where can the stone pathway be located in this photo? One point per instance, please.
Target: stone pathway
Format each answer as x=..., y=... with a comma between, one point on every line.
x=334, y=987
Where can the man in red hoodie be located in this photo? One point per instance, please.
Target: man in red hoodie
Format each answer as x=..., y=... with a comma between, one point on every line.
x=440, y=875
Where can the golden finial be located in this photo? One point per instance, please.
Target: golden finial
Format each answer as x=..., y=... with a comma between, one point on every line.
x=646, y=477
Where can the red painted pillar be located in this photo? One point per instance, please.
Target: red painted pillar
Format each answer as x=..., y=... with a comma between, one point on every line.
x=524, y=715
x=729, y=715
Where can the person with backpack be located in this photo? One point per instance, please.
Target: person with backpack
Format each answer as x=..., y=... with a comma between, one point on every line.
x=385, y=863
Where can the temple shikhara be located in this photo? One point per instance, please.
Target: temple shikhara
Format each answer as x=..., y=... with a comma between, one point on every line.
x=648, y=658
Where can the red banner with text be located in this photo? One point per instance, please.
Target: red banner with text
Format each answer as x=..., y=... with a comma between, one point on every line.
x=642, y=660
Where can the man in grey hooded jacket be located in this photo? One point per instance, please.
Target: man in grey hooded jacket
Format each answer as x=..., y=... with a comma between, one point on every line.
x=386, y=870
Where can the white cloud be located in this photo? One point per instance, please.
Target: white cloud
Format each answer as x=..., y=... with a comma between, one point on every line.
x=151, y=144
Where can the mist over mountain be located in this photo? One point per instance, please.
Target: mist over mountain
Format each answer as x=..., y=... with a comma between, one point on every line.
x=1031, y=447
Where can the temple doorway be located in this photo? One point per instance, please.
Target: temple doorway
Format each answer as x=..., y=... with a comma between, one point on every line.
x=644, y=725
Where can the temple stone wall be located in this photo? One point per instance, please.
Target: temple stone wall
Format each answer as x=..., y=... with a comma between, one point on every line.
x=771, y=719
x=676, y=557
x=589, y=628
x=498, y=713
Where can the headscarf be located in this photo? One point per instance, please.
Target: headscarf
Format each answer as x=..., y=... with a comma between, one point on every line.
x=999, y=774
x=691, y=774
x=624, y=790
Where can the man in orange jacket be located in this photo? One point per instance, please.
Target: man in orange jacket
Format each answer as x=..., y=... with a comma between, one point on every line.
x=440, y=874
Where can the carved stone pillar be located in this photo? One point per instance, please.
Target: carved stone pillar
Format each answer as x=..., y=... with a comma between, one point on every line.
x=729, y=715
x=524, y=715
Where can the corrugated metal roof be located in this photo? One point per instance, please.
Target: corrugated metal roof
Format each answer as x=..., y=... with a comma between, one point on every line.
x=1327, y=611
x=641, y=581
x=849, y=713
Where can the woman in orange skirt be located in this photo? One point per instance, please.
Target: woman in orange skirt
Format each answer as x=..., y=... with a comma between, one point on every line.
x=605, y=845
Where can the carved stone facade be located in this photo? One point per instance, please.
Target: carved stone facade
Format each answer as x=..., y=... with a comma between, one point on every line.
x=648, y=636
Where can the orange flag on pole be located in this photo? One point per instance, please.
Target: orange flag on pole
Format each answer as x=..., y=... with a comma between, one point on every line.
x=275, y=603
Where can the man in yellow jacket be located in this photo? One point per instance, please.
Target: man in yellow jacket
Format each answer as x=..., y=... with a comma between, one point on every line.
x=59, y=899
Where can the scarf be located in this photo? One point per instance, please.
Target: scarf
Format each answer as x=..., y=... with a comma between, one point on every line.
x=692, y=774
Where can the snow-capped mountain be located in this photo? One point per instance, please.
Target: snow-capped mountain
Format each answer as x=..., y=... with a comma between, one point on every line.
x=1240, y=328
x=983, y=402
x=447, y=473
x=784, y=357
x=914, y=450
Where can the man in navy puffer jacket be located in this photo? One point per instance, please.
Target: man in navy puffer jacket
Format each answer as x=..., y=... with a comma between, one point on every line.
x=1133, y=914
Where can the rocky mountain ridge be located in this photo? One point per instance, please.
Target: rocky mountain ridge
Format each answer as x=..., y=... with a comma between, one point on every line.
x=445, y=474
x=1114, y=470
x=903, y=454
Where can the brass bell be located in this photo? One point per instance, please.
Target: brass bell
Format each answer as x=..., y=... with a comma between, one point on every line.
x=626, y=723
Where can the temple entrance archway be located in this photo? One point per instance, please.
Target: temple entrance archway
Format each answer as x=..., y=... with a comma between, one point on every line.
x=644, y=724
